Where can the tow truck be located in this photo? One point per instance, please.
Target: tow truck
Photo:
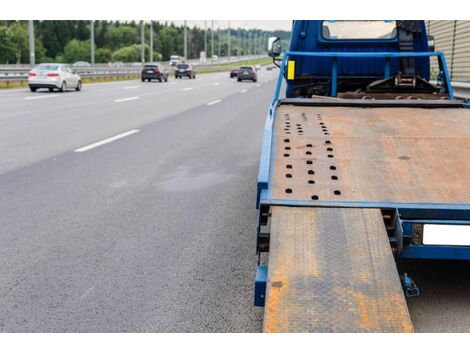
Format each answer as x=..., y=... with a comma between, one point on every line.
x=363, y=162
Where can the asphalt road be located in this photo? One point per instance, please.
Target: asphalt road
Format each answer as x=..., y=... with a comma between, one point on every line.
x=153, y=231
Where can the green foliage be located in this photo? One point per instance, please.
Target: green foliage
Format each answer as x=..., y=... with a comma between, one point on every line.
x=130, y=53
x=7, y=48
x=76, y=50
x=103, y=55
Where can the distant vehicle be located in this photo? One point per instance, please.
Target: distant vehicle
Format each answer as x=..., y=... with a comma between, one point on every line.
x=154, y=71
x=174, y=60
x=215, y=59
x=247, y=73
x=53, y=76
x=136, y=64
x=234, y=72
x=202, y=57
x=258, y=67
x=117, y=64
x=184, y=70
x=270, y=67
x=81, y=64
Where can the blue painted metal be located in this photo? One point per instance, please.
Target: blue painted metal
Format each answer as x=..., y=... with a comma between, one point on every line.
x=307, y=37
x=387, y=68
x=409, y=286
x=334, y=77
x=436, y=252
x=260, y=285
x=266, y=199
x=336, y=64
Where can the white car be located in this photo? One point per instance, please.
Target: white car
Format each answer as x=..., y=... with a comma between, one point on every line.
x=53, y=76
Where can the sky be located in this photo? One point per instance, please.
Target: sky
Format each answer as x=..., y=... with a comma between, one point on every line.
x=261, y=24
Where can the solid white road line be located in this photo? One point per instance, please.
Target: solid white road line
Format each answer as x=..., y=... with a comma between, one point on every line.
x=244, y=91
x=186, y=89
x=126, y=99
x=214, y=102
x=215, y=84
x=42, y=97
x=173, y=82
x=130, y=87
x=105, y=141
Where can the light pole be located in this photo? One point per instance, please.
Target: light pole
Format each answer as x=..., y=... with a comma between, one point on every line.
x=185, y=41
x=32, y=58
x=151, y=42
x=92, y=42
x=205, y=37
x=142, y=42
x=229, y=53
x=212, y=39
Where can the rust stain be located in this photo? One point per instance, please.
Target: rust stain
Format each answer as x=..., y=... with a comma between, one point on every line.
x=371, y=148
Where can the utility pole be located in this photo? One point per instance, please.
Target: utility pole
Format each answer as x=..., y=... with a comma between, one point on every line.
x=212, y=39
x=205, y=37
x=92, y=42
x=151, y=42
x=218, y=42
x=142, y=42
x=32, y=57
x=229, y=53
x=185, y=41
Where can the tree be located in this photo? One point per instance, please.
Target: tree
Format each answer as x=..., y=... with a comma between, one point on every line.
x=7, y=49
x=130, y=53
x=77, y=50
x=18, y=33
x=103, y=55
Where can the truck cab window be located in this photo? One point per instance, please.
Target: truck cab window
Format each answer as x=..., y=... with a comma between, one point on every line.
x=358, y=30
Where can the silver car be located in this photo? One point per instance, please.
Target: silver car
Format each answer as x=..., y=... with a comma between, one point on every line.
x=53, y=76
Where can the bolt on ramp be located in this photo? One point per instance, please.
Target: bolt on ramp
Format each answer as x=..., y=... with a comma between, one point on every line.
x=332, y=270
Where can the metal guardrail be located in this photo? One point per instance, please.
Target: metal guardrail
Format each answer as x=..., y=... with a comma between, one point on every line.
x=19, y=73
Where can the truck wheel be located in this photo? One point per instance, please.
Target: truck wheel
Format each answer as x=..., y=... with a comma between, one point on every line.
x=32, y=89
x=143, y=80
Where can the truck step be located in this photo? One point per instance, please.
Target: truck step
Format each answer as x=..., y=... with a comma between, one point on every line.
x=332, y=270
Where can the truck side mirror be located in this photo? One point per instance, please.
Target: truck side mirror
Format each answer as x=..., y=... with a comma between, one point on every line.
x=274, y=46
x=431, y=43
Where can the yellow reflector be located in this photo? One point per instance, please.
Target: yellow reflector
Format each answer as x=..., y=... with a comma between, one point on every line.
x=290, y=69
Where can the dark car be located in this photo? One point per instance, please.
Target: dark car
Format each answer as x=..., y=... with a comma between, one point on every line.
x=184, y=70
x=247, y=73
x=234, y=72
x=154, y=71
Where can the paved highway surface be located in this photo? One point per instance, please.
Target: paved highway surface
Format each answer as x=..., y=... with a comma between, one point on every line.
x=129, y=207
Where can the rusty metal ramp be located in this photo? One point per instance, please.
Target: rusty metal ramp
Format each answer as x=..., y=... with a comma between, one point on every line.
x=332, y=270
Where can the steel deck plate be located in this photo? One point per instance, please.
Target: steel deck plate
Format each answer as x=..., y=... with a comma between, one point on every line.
x=353, y=154
x=332, y=270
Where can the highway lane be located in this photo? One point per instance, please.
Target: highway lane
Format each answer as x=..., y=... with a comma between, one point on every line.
x=152, y=231
x=35, y=126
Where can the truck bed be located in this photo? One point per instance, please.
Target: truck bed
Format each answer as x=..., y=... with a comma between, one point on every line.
x=335, y=176
x=370, y=155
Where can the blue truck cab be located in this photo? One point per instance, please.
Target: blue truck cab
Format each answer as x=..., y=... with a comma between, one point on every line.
x=368, y=58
